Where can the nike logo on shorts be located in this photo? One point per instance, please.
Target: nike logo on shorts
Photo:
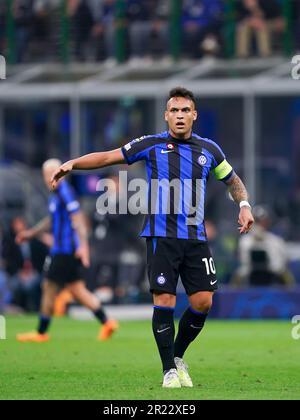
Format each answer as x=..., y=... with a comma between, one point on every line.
x=213, y=282
x=196, y=328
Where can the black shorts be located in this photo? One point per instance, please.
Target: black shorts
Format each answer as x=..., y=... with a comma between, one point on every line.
x=167, y=258
x=63, y=269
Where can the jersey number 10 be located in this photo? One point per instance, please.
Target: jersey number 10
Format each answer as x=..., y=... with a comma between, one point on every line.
x=210, y=265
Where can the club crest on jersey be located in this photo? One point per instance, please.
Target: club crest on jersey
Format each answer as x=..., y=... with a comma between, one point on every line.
x=161, y=280
x=170, y=146
x=202, y=160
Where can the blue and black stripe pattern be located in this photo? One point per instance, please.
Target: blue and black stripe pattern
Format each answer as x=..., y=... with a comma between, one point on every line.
x=62, y=204
x=178, y=171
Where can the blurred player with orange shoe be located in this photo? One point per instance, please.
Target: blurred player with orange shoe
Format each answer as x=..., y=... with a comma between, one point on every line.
x=68, y=258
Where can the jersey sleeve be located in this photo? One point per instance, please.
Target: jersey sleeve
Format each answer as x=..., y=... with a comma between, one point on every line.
x=69, y=198
x=221, y=168
x=137, y=149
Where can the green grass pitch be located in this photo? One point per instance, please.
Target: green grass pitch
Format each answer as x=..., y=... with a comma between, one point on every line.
x=229, y=360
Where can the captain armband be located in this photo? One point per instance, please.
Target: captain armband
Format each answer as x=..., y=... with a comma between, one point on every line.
x=223, y=170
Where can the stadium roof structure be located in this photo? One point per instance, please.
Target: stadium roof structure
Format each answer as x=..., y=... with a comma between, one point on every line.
x=208, y=77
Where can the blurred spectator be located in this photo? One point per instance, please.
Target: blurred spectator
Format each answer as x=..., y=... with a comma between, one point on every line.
x=25, y=287
x=4, y=292
x=201, y=24
x=23, y=265
x=14, y=255
x=23, y=14
x=104, y=30
x=119, y=268
x=288, y=211
x=82, y=20
x=261, y=19
x=263, y=255
x=148, y=28
x=41, y=43
x=2, y=27
x=296, y=23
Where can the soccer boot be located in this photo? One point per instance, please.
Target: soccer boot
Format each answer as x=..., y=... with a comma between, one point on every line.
x=33, y=337
x=171, y=379
x=182, y=369
x=108, y=329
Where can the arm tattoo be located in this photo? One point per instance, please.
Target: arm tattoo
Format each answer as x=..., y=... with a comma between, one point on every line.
x=237, y=189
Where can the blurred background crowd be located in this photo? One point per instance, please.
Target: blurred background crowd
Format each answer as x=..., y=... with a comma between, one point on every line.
x=110, y=30
x=137, y=33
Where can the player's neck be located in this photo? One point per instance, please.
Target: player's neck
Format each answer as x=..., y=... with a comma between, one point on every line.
x=182, y=137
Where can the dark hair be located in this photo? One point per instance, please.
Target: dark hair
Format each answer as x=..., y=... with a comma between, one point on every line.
x=181, y=92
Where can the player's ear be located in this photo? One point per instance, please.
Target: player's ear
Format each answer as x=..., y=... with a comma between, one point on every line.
x=166, y=115
x=195, y=116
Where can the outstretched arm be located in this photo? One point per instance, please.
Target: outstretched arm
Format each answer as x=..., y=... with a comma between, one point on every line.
x=239, y=194
x=90, y=161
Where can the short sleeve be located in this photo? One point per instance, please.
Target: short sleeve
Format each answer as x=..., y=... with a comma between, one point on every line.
x=137, y=149
x=221, y=168
x=69, y=198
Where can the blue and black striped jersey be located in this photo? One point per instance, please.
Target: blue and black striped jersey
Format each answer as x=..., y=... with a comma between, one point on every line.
x=177, y=171
x=62, y=204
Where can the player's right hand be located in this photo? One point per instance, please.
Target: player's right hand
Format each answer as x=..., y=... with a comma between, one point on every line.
x=23, y=236
x=62, y=171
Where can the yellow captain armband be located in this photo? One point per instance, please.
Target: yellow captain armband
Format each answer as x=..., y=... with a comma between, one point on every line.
x=222, y=170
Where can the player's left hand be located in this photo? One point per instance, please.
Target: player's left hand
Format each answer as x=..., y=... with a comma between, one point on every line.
x=246, y=220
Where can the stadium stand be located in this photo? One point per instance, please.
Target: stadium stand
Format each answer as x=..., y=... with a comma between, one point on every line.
x=86, y=75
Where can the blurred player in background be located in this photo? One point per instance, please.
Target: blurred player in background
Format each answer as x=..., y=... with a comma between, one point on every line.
x=69, y=255
x=176, y=241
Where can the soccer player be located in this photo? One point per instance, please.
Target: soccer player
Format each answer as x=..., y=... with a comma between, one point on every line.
x=68, y=257
x=176, y=240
